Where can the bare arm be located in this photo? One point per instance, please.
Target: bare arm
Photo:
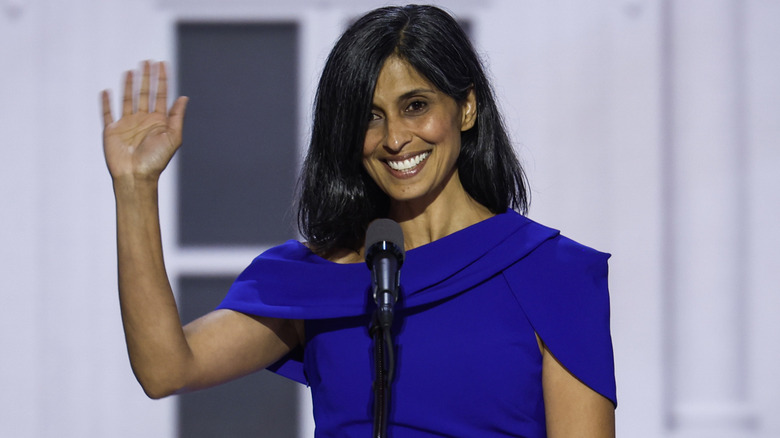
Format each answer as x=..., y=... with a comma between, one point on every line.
x=572, y=408
x=165, y=357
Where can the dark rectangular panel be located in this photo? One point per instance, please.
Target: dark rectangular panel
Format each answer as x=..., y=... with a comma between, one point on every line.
x=238, y=160
x=262, y=404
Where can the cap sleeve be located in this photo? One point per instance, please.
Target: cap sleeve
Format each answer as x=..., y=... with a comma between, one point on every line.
x=562, y=288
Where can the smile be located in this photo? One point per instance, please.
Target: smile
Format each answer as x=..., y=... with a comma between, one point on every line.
x=409, y=163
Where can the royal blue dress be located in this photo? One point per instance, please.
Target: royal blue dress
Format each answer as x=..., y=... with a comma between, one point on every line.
x=467, y=360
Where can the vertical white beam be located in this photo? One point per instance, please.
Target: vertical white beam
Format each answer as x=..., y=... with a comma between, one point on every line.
x=84, y=384
x=762, y=64
x=633, y=159
x=706, y=256
x=130, y=32
x=19, y=186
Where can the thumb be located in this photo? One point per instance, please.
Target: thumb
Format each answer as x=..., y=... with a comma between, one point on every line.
x=176, y=115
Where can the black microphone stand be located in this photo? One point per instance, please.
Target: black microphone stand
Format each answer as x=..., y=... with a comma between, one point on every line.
x=384, y=362
x=384, y=256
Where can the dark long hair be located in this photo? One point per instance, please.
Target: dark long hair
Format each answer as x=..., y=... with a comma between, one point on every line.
x=336, y=197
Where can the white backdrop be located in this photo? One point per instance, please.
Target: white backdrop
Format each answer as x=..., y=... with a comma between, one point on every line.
x=650, y=129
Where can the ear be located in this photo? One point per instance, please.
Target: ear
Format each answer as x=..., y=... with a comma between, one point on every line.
x=468, y=110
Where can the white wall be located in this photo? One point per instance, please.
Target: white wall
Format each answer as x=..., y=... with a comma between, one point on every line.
x=649, y=129
x=64, y=368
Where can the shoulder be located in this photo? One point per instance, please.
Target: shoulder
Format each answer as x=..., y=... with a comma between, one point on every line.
x=562, y=287
x=340, y=256
x=547, y=246
x=559, y=252
x=562, y=254
x=290, y=250
x=561, y=275
x=304, y=252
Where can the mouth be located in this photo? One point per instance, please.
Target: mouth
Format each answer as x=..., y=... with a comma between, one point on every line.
x=408, y=164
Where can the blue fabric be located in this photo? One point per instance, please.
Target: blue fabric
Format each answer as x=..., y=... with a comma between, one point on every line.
x=471, y=304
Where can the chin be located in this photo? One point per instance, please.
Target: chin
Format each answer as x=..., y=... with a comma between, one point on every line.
x=408, y=195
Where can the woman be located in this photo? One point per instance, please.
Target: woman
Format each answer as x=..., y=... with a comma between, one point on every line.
x=502, y=327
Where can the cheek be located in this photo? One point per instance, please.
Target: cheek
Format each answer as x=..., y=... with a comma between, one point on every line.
x=370, y=143
x=438, y=130
x=370, y=168
x=368, y=163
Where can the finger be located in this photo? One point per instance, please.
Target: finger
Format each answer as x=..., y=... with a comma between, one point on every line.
x=127, y=99
x=143, y=95
x=107, y=117
x=161, y=104
x=176, y=116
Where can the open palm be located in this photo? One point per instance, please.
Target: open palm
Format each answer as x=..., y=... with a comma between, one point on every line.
x=141, y=143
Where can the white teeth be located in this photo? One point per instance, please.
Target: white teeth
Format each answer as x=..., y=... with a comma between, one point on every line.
x=409, y=163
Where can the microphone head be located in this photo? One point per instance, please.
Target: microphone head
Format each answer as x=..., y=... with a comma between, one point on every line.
x=384, y=234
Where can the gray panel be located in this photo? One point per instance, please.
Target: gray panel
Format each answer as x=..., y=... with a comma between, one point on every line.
x=259, y=405
x=237, y=164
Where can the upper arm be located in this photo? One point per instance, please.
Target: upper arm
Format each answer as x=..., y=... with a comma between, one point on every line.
x=226, y=344
x=572, y=408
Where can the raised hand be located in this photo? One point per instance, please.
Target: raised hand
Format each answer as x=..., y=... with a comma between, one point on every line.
x=140, y=144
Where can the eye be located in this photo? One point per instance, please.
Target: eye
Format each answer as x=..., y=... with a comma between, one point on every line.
x=417, y=106
x=373, y=116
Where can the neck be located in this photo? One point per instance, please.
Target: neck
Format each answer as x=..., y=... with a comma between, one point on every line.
x=424, y=221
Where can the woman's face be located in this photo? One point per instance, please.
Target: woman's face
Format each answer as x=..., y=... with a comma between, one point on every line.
x=413, y=138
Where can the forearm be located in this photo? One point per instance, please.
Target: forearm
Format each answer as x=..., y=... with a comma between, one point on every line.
x=158, y=350
x=573, y=409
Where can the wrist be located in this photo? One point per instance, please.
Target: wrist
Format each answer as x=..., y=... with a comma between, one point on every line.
x=133, y=185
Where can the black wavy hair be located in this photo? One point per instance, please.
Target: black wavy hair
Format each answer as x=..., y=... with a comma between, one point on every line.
x=337, y=199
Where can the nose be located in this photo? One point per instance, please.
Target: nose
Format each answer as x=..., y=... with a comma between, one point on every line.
x=397, y=135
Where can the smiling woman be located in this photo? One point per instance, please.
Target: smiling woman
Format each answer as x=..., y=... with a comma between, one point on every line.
x=438, y=57
x=413, y=140
x=405, y=127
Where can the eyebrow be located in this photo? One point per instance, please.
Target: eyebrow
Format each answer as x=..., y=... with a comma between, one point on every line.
x=411, y=93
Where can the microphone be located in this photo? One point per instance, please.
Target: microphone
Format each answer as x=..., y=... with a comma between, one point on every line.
x=384, y=256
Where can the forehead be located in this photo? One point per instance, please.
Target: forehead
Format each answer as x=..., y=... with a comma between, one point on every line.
x=397, y=77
